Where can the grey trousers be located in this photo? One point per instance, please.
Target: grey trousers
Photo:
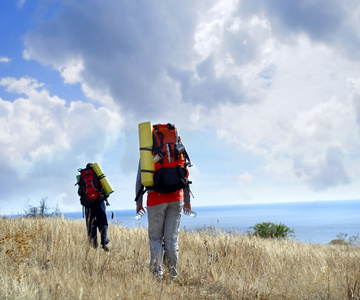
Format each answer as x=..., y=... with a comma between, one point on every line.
x=163, y=229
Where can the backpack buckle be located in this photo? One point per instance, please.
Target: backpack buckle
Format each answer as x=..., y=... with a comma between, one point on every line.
x=158, y=157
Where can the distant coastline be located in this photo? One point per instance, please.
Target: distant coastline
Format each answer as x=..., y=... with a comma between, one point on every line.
x=313, y=221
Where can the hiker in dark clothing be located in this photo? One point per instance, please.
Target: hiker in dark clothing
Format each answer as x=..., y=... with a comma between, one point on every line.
x=95, y=209
x=96, y=219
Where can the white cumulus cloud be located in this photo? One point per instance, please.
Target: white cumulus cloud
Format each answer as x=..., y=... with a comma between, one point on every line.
x=41, y=138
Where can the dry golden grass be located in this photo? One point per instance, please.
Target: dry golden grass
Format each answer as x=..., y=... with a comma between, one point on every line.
x=51, y=259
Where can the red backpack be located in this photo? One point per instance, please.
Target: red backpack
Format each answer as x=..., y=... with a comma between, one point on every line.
x=90, y=188
x=171, y=160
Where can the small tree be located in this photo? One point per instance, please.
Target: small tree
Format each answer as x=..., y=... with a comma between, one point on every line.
x=32, y=212
x=38, y=211
x=43, y=208
x=57, y=212
x=271, y=230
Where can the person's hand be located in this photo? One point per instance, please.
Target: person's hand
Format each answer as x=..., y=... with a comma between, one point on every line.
x=187, y=207
x=139, y=207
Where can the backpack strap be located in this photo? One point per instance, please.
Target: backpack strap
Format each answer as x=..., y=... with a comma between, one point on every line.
x=169, y=151
x=187, y=159
x=177, y=138
x=157, y=147
x=161, y=134
x=141, y=191
x=155, y=143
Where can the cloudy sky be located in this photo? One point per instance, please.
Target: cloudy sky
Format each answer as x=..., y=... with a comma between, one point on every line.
x=265, y=95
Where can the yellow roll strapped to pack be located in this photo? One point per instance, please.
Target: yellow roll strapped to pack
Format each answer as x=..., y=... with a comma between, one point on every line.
x=146, y=155
x=104, y=182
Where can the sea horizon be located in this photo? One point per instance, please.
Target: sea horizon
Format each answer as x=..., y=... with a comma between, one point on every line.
x=313, y=221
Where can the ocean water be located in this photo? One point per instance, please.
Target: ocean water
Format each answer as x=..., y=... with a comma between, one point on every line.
x=313, y=222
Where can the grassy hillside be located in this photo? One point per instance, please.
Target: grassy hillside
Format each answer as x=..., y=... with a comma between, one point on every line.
x=51, y=259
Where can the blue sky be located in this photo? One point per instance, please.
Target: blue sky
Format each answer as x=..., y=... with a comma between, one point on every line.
x=265, y=95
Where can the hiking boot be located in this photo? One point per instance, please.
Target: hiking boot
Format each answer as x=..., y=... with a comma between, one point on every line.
x=158, y=275
x=94, y=244
x=105, y=247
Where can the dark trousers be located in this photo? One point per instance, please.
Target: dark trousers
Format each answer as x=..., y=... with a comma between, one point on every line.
x=96, y=219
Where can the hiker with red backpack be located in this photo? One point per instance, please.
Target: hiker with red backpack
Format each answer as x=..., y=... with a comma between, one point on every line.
x=168, y=196
x=93, y=196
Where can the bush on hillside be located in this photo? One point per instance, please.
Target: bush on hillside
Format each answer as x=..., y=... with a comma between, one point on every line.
x=344, y=240
x=271, y=230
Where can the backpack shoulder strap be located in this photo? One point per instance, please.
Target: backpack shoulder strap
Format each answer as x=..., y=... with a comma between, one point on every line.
x=187, y=159
x=157, y=148
x=141, y=191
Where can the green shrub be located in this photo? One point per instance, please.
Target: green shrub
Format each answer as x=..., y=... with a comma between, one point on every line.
x=271, y=230
x=339, y=242
x=343, y=239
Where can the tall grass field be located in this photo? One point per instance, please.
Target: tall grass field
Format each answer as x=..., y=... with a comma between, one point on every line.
x=46, y=258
